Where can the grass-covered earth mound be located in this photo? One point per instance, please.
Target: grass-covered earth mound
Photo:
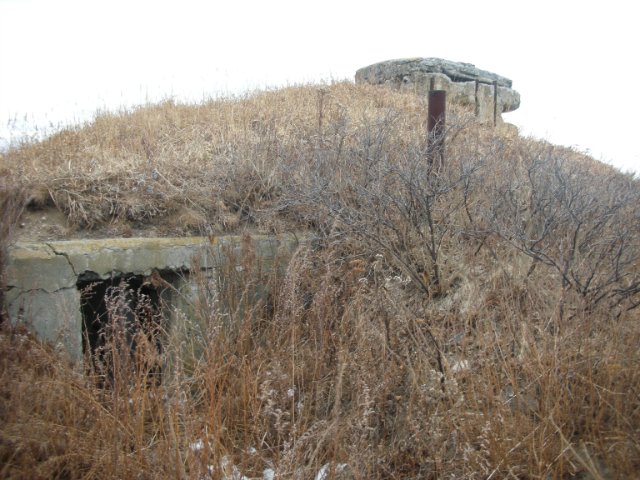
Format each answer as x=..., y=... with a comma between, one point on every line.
x=475, y=319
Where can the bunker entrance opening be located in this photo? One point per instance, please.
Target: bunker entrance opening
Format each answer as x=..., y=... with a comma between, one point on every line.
x=125, y=315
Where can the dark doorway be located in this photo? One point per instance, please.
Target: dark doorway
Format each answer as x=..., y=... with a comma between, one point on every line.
x=123, y=318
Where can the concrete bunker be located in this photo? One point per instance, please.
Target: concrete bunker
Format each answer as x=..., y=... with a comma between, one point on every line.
x=48, y=282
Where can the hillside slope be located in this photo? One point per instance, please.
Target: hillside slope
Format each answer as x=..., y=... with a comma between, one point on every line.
x=478, y=319
x=190, y=168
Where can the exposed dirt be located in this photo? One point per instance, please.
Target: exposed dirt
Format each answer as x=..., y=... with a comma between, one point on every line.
x=49, y=223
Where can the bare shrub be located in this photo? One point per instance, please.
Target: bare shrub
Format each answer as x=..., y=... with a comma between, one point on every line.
x=581, y=223
x=386, y=194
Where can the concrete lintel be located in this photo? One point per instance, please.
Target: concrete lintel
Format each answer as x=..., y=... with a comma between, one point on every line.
x=55, y=265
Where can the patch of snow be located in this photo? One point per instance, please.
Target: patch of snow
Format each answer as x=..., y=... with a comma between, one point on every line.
x=323, y=473
x=268, y=474
x=197, y=445
x=460, y=366
x=234, y=474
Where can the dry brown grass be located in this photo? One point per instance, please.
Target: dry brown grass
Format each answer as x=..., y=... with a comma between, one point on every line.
x=214, y=165
x=453, y=338
x=12, y=201
x=345, y=375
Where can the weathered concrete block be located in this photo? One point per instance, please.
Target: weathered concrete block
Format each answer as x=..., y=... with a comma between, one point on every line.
x=464, y=83
x=139, y=256
x=37, y=266
x=456, y=71
x=53, y=316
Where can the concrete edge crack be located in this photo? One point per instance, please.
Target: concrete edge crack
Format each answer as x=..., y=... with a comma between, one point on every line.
x=63, y=254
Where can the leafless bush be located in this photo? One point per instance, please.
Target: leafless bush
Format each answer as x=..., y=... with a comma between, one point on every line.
x=582, y=224
x=388, y=196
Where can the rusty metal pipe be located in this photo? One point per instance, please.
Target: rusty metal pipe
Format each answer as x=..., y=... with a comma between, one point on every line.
x=436, y=126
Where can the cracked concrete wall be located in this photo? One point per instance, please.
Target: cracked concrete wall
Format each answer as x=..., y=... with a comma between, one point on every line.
x=42, y=293
x=42, y=277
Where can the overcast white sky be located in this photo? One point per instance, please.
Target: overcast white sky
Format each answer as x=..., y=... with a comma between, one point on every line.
x=573, y=62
